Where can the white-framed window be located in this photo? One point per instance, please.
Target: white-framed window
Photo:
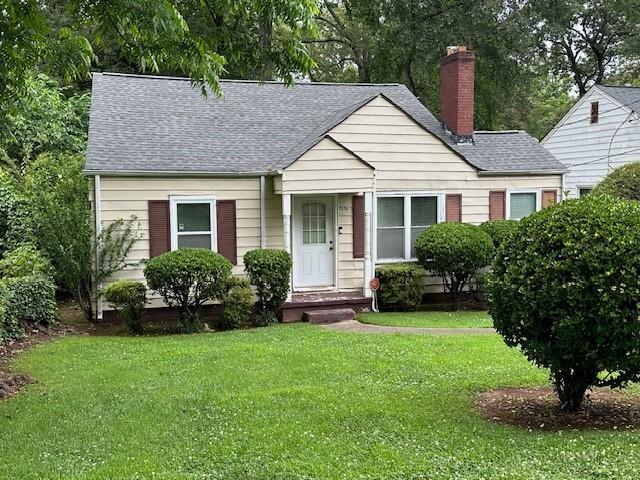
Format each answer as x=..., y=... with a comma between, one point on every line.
x=584, y=191
x=521, y=203
x=193, y=222
x=400, y=218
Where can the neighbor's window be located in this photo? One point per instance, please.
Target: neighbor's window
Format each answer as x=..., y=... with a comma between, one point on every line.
x=584, y=191
x=193, y=223
x=400, y=220
x=595, y=111
x=522, y=204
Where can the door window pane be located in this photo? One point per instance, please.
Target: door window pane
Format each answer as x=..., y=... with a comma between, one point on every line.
x=314, y=223
x=195, y=241
x=194, y=217
x=522, y=204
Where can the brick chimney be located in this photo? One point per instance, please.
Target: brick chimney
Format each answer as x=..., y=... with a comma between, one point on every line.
x=456, y=92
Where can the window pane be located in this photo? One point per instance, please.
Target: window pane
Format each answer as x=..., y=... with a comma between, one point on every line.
x=522, y=204
x=584, y=192
x=194, y=241
x=391, y=243
x=414, y=234
x=424, y=211
x=390, y=212
x=194, y=217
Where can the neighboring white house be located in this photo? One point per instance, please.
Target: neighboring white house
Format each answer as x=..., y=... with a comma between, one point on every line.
x=601, y=132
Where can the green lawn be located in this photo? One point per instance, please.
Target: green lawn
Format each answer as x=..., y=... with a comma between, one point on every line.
x=285, y=402
x=428, y=319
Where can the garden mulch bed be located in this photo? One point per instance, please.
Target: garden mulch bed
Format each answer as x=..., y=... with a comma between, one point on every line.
x=11, y=383
x=538, y=409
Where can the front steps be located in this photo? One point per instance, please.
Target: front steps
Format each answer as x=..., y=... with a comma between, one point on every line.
x=301, y=303
x=329, y=316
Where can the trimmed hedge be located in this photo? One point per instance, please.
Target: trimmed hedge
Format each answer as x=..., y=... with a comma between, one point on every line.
x=128, y=299
x=27, y=300
x=269, y=271
x=401, y=286
x=237, y=305
x=499, y=230
x=186, y=279
x=455, y=252
x=565, y=289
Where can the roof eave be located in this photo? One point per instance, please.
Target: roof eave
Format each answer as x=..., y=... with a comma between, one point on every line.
x=519, y=173
x=166, y=173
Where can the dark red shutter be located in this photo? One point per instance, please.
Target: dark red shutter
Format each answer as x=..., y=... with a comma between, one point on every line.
x=159, y=229
x=357, y=212
x=549, y=197
x=595, y=111
x=226, y=224
x=453, y=207
x=497, y=205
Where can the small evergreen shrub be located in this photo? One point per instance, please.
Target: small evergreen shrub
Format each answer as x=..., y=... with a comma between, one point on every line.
x=455, y=252
x=25, y=260
x=401, y=286
x=237, y=305
x=499, y=230
x=128, y=299
x=29, y=300
x=269, y=271
x=623, y=182
x=565, y=290
x=186, y=279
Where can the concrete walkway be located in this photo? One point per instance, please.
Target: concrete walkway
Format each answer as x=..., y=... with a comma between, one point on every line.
x=355, y=326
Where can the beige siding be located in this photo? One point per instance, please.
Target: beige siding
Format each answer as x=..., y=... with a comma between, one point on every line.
x=122, y=197
x=350, y=270
x=327, y=168
x=409, y=159
x=273, y=202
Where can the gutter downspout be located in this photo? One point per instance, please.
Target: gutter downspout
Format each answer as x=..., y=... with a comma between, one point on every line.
x=263, y=213
x=98, y=228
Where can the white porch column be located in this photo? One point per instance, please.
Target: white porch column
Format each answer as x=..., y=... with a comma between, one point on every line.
x=368, y=266
x=286, y=232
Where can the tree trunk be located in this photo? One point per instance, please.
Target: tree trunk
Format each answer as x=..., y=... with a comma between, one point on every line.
x=408, y=78
x=571, y=386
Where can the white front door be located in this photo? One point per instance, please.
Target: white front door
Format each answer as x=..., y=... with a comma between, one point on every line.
x=313, y=242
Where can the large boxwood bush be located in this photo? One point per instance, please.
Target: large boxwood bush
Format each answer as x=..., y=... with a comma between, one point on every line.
x=401, y=286
x=623, y=182
x=455, y=252
x=237, y=305
x=186, y=279
x=128, y=299
x=269, y=271
x=566, y=290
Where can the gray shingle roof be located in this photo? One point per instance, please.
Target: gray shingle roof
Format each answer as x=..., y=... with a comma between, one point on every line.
x=628, y=96
x=163, y=124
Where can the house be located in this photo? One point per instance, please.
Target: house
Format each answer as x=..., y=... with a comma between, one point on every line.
x=601, y=132
x=343, y=176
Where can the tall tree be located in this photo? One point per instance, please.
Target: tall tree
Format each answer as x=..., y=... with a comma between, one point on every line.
x=198, y=38
x=584, y=39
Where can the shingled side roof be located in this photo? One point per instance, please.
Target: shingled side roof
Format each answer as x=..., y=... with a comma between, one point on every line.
x=627, y=96
x=145, y=124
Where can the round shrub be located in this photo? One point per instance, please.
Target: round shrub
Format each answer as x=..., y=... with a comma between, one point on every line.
x=269, y=271
x=186, y=279
x=565, y=289
x=455, y=252
x=128, y=299
x=237, y=305
x=25, y=260
x=623, y=182
x=499, y=230
x=401, y=286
